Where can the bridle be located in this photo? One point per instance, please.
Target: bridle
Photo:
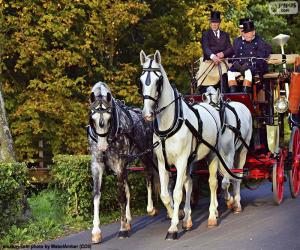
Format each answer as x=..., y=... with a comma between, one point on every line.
x=148, y=82
x=96, y=107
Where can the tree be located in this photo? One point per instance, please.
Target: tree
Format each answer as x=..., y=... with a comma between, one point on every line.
x=53, y=52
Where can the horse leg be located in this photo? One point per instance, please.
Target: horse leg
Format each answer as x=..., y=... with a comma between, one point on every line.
x=177, y=198
x=151, y=210
x=237, y=183
x=228, y=198
x=123, y=233
x=187, y=222
x=97, y=172
x=213, y=185
x=128, y=214
x=164, y=192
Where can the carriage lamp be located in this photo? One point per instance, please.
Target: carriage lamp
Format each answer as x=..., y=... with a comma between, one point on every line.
x=281, y=105
x=281, y=40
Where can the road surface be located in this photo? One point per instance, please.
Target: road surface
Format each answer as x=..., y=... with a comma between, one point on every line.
x=261, y=225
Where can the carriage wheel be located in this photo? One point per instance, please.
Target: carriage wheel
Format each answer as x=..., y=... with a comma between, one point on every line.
x=294, y=173
x=278, y=179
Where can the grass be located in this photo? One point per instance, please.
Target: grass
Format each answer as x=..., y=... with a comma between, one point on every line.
x=48, y=221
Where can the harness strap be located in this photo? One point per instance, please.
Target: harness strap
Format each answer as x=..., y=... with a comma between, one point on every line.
x=238, y=121
x=222, y=161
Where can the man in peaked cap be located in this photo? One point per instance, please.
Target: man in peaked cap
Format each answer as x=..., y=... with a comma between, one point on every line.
x=241, y=26
x=216, y=43
x=247, y=48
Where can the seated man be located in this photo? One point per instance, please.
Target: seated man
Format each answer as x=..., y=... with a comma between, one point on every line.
x=216, y=46
x=248, y=48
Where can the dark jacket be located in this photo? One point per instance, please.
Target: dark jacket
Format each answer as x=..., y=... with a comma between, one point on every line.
x=213, y=45
x=256, y=48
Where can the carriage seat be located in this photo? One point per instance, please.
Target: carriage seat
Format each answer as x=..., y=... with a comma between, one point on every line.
x=271, y=75
x=276, y=59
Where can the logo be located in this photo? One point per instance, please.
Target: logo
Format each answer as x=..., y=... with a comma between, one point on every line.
x=283, y=8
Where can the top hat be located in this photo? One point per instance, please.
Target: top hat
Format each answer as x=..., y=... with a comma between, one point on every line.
x=215, y=16
x=242, y=20
x=248, y=26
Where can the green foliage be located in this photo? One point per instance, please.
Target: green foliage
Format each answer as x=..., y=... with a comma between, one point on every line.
x=48, y=204
x=13, y=179
x=56, y=52
x=268, y=25
x=47, y=220
x=72, y=175
x=52, y=52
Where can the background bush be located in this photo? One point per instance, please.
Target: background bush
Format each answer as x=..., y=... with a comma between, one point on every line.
x=72, y=175
x=13, y=180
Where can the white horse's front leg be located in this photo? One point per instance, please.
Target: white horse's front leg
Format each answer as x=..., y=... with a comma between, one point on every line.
x=97, y=171
x=187, y=220
x=213, y=185
x=164, y=192
x=177, y=198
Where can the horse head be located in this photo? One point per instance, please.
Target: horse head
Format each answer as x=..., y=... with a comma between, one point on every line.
x=101, y=104
x=211, y=96
x=151, y=83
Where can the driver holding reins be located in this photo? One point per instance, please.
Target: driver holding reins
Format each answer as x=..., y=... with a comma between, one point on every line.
x=247, y=49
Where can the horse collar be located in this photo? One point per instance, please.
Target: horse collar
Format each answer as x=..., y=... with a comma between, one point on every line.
x=177, y=122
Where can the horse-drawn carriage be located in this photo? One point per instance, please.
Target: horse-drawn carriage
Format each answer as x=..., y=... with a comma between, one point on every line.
x=274, y=153
x=193, y=136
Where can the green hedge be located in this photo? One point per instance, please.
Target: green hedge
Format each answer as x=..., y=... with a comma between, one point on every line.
x=72, y=174
x=13, y=180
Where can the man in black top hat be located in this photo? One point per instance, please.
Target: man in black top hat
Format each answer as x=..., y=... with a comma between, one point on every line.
x=247, y=48
x=216, y=43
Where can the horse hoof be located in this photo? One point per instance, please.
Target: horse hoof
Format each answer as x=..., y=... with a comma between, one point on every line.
x=186, y=226
x=181, y=214
x=96, y=238
x=230, y=203
x=154, y=212
x=128, y=226
x=172, y=236
x=212, y=223
x=237, y=210
x=123, y=234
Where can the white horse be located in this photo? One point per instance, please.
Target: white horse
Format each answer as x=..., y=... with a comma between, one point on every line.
x=178, y=127
x=235, y=115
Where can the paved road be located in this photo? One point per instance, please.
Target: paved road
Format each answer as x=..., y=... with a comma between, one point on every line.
x=262, y=225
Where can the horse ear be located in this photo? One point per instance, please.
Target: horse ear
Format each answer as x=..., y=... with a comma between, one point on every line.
x=157, y=57
x=108, y=97
x=143, y=57
x=218, y=91
x=92, y=97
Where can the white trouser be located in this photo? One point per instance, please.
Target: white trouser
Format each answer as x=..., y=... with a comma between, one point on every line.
x=233, y=75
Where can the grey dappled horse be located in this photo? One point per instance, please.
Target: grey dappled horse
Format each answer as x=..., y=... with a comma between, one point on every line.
x=114, y=132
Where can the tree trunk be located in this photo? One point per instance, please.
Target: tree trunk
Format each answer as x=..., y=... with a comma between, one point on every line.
x=7, y=153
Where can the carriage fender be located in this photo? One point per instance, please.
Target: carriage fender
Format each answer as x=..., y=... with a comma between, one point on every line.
x=294, y=96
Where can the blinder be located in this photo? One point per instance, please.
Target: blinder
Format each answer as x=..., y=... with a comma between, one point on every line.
x=148, y=82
